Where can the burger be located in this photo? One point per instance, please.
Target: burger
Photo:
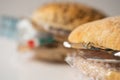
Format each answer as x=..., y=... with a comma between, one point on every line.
x=97, y=55
x=61, y=18
x=52, y=24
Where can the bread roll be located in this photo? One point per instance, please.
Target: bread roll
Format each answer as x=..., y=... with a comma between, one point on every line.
x=102, y=33
x=65, y=16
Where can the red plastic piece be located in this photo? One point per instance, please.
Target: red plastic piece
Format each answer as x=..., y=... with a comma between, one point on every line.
x=31, y=43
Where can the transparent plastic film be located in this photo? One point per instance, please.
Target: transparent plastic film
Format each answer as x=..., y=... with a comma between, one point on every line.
x=93, y=69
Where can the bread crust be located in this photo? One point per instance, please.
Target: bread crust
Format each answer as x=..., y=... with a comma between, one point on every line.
x=102, y=33
x=65, y=16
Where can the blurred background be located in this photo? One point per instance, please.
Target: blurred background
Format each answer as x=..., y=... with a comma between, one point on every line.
x=24, y=8
x=20, y=8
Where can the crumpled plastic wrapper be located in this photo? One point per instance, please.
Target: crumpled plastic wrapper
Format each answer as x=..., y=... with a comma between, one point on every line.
x=93, y=70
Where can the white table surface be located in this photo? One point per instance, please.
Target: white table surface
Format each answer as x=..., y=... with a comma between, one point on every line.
x=7, y=71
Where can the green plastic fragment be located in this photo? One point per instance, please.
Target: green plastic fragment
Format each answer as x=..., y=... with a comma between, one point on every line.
x=46, y=40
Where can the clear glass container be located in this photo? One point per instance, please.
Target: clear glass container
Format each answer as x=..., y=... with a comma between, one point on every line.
x=93, y=68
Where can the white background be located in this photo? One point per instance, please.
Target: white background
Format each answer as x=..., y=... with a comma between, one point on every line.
x=24, y=8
